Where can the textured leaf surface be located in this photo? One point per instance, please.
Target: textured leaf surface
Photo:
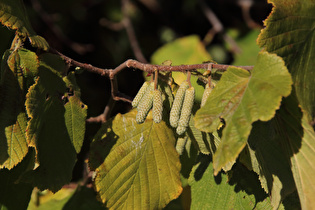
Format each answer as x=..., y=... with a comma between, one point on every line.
x=47, y=130
x=298, y=138
x=13, y=15
x=24, y=63
x=270, y=162
x=240, y=98
x=240, y=190
x=13, y=144
x=187, y=50
x=290, y=33
x=142, y=169
x=75, y=113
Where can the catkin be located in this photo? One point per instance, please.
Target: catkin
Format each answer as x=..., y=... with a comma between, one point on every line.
x=145, y=104
x=140, y=94
x=186, y=110
x=157, y=106
x=177, y=104
x=205, y=95
x=180, y=144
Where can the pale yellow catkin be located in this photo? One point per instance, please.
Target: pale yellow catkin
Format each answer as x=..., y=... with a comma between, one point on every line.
x=157, y=106
x=177, y=104
x=180, y=144
x=205, y=95
x=145, y=104
x=140, y=94
x=186, y=111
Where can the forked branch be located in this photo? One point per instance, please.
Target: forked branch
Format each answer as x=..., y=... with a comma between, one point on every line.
x=150, y=68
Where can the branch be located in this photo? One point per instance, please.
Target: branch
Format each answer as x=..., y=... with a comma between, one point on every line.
x=150, y=68
x=217, y=27
x=131, y=33
x=48, y=20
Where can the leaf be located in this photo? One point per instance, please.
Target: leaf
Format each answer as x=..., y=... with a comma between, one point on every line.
x=47, y=129
x=187, y=50
x=47, y=200
x=240, y=99
x=75, y=113
x=270, y=162
x=141, y=170
x=290, y=33
x=13, y=193
x=16, y=141
x=238, y=190
x=13, y=143
x=24, y=63
x=13, y=15
x=297, y=138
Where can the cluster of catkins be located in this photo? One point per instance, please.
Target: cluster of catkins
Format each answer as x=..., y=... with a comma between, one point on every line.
x=149, y=97
x=145, y=99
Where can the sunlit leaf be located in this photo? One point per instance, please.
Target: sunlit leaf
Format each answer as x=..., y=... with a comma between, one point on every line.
x=13, y=143
x=50, y=201
x=240, y=99
x=238, y=190
x=290, y=33
x=75, y=113
x=142, y=168
x=187, y=50
x=24, y=63
x=47, y=129
x=13, y=15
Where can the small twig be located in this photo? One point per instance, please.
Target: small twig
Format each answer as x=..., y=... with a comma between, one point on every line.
x=245, y=6
x=115, y=26
x=102, y=118
x=131, y=33
x=89, y=67
x=77, y=47
x=217, y=28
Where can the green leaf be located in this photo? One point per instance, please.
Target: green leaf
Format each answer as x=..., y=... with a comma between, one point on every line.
x=298, y=140
x=13, y=15
x=13, y=193
x=47, y=200
x=238, y=190
x=206, y=142
x=13, y=143
x=290, y=33
x=16, y=142
x=240, y=99
x=270, y=162
x=187, y=50
x=75, y=113
x=142, y=168
x=47, y=130
x=24, y=63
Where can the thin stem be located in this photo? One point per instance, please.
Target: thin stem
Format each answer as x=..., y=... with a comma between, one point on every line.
x=156, y=76
x=188, y=78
